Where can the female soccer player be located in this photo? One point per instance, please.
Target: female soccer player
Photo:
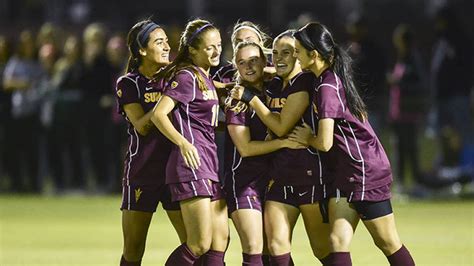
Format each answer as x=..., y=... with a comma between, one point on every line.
x=148, y=150
x=242, y=31
x=246, y=177
x=360, y=170
x=297, y=185
x=191, y=173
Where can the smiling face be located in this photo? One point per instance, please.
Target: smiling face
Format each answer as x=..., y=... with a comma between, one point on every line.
x=303, y=56
x=283, y=56
x=250, y=64
x=208, y=50
x=157, y=50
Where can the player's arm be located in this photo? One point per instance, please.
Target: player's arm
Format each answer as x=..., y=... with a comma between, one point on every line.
x=163, y=123
x=323, y=141
x=140, y=121
x=280, y=123
x=240, y=136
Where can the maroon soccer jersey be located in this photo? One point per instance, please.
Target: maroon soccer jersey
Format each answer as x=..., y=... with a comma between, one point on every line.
x=146, y=157
x=195, y=117
x=225, y=74
x=294, y=167
x=357, y=160
x=241, y=173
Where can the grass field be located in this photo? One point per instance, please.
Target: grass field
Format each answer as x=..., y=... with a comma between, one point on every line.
x=87, y=231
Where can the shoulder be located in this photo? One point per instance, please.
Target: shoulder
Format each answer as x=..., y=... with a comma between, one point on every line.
x=224, y=71
x=304, y=79
x=185, y=74
x=274, y=85
x=329, y=79
x=129, y=78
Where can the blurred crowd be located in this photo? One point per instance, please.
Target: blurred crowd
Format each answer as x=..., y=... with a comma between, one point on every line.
x=60, y=132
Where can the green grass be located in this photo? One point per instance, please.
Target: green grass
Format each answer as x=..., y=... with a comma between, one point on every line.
x=87, y=231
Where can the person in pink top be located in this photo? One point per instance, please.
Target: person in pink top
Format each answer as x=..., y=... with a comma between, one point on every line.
x=359, y=170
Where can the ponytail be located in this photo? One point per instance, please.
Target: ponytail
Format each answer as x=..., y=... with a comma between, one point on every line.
x=343, y=69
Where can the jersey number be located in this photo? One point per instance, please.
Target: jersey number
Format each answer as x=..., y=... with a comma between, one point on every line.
x=215, y=115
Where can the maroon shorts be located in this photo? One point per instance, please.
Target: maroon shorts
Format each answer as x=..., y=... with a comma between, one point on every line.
x=247, y=198
x=146, y=198
x=295, y=195
x=196, y=188
x=374, y=195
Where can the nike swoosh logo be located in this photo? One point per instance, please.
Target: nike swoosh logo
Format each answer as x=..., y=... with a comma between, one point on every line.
x=148, y=88
x=302, y=194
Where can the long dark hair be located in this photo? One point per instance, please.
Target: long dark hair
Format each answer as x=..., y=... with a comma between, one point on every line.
x=315, y=36
x=191, y=37
x=137, y=38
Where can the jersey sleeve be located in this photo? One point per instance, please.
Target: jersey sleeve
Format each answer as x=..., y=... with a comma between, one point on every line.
x=233, y=118
x=329, y=102
x=127, y=92
x=182, y=87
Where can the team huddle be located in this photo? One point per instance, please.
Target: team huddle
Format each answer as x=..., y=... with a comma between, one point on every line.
x=298, y=141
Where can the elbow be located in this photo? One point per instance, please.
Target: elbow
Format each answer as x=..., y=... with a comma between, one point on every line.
x=143, y=131
x=244, y=153
x=325, y=146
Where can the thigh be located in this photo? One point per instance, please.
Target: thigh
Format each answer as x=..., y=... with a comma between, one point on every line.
x=197, y=218
x=177, y=221
x=316, y=229
x=220, y=225
x=279, y=220
x=249, y=226
x=135, y=225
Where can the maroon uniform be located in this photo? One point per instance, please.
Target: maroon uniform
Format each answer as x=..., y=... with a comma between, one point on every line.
x=294, y=167
x=245, y=178
x=357, y=161
x=147, y=156
x=195, y=117
x=225, y=74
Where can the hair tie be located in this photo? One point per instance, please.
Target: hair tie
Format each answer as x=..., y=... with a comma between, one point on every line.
x=144, y=33
x=248, y=28
x=197, y=32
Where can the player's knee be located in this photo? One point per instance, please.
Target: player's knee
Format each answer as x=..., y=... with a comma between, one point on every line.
x=253, y=246
x=278, y=246
x=339, y=242
x=201, y=246
x=388, y=245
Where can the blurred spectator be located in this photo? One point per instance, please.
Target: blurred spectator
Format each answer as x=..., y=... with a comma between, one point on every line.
x=454, y=166
x=97, y=81
x=64, y=136
x=452, y=67
x=22, y=76
x=5, y=105
x=369, y=69
x=407, y=93
x=117, y=54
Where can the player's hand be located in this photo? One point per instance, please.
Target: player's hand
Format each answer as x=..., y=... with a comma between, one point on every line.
x=237, y=92
x=291, y=144
x=190, y=155
x=220, y=85
x=302, y=135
